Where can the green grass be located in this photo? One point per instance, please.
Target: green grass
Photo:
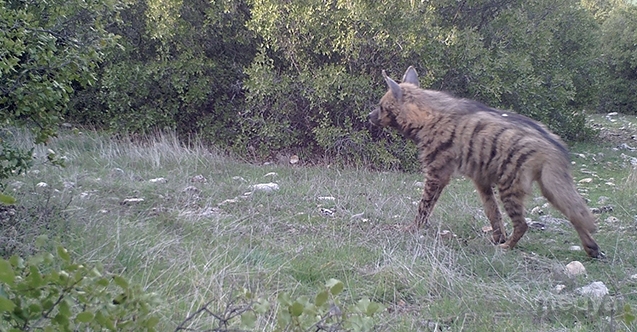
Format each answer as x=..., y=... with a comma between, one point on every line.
x=182, y=244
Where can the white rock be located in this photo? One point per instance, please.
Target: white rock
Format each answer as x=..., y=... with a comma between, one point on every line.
x=294, y=159
x=419, y=184
x=634, y=277
x=559, y=288
x=575, y=268
x=191, y=189
x=326, y=198
x=611, y=220
x=42, y=185
x=272, y=174
x=595, y=289
x=132, y=200
x=537, y=211
x=266, y=187
x=586, y=180
x=158, y=180
x=575, y=248
x=199, y=178
x=327, y=212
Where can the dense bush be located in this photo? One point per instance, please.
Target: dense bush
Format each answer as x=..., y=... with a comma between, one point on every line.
x=264, y=77
x=619, y=59
x=48, y=49
x=180, y=67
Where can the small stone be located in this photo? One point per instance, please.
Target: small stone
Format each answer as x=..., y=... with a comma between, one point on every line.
x=266, y=187
x=42, y=185
x=537, y=211
x=326, y=198
x=103, y=211
x=612, y=114
x=191, y=190
x=575, y=268
x=559, y=288
x=199, y=179
x=586, y=180
x=294, y=159
x=158, y=180
x=327, y=212
x=487, y=229
x=611, y=220
x=419, y=184
x=271, y=174
x=132, y=201
x=595, y=289
x=634, y=277
x=575, y=248
x=228, y=201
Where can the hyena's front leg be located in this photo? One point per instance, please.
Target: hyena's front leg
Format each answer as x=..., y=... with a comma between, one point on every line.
x=435, y=182
x=493, y=212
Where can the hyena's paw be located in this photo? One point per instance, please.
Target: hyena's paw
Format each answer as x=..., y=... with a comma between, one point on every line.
x=504, y=246
x=498, y=238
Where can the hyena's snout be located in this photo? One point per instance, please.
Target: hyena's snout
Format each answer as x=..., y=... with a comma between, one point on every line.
x=374, y=118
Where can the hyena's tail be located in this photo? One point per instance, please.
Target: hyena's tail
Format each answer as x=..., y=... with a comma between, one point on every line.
x=558, y=187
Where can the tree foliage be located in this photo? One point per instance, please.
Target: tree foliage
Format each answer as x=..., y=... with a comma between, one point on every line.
x=48, y=49
x=619, y=59
x=266, y=76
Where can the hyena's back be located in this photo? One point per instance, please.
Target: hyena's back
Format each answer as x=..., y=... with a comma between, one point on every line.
x=492, y=147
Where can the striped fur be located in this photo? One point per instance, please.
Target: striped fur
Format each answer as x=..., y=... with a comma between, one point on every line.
x=495, y=149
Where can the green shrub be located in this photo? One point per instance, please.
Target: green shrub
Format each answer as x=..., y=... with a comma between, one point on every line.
x=49, y=292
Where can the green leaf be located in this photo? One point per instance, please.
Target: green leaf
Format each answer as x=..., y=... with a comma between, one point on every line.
x=249, y=319
x=6, y=199
x=41, y=240
x=321, y=298
x=262, y=306
x=63, y=253
x=121, y=282
x=373, y=308
x=85, y=317
x=6, y=272
x=6, y=305
x=336, y=286
x=296, y=309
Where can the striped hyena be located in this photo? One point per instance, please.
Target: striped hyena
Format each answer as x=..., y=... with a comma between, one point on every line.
x=492, y=147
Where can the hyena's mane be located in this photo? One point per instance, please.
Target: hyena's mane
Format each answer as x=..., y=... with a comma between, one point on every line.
x=433, y=104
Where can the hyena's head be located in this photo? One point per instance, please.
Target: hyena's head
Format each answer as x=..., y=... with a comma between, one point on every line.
x=390, y=105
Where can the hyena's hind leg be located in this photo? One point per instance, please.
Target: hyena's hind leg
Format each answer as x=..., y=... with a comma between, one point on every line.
x=492, y=212
x=435, y=181
x=512, y=197
x=560, y=191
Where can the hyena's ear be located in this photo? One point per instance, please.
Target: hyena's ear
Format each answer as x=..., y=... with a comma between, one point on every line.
x=394, y=87
x=411, y=76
